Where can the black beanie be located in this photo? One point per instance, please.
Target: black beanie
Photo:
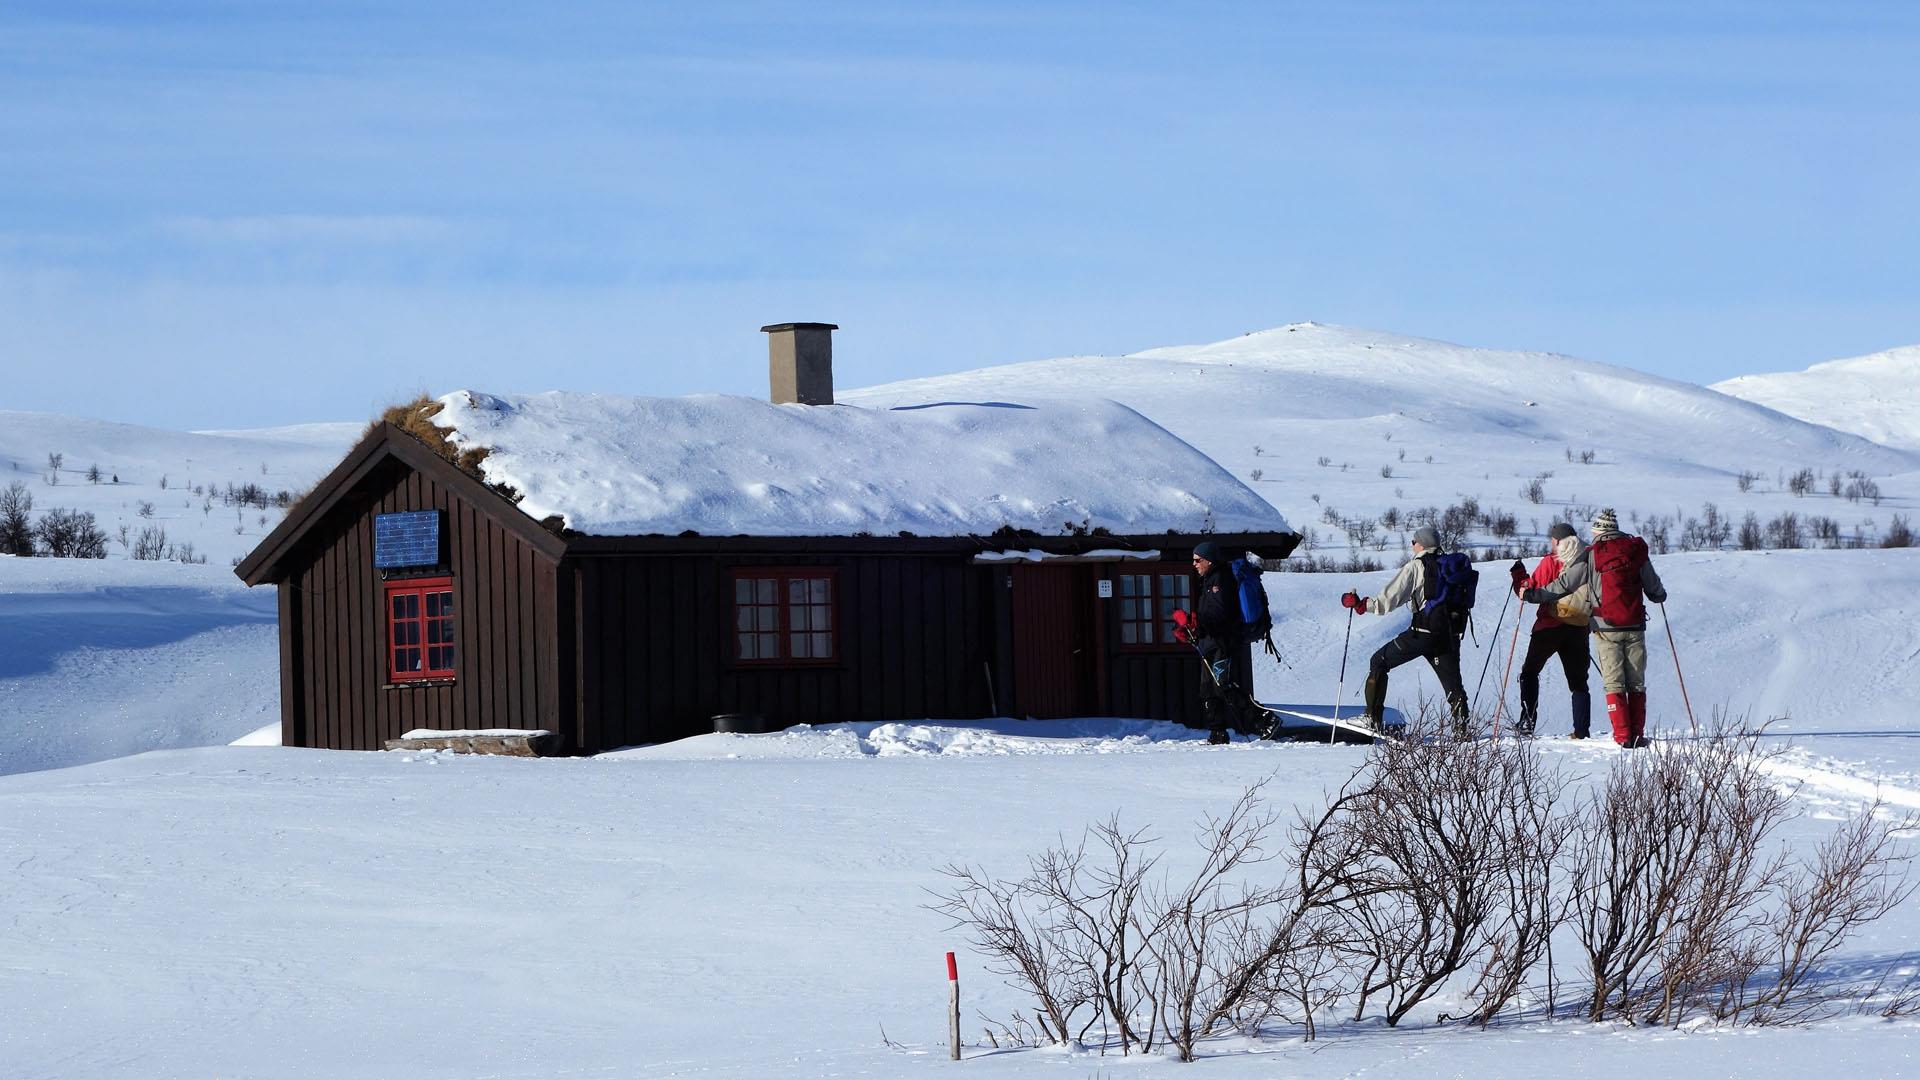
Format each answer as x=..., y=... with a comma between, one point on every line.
x=1208, y=550
x=1560, y=530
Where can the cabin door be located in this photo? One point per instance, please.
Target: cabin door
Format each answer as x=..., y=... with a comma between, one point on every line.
x=1055, y=669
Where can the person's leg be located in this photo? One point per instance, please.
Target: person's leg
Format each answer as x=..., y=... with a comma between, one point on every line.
x=1636, y=677
x=1213, y=699
x=1539, y=647
x=1611, y=651
x=1401, y=649
x=1571, y=644
x=1446, y=665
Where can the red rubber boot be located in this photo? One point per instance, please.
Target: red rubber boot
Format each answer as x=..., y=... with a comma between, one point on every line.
x=1637, y=718
x=1617, y=715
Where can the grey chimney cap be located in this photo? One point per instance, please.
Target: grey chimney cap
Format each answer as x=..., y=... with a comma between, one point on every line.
x=774, y=327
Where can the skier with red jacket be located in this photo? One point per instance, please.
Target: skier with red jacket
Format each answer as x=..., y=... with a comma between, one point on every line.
x=1553, y=636
x=1620, y=578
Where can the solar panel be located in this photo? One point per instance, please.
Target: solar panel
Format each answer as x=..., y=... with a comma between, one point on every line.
x=406, y=540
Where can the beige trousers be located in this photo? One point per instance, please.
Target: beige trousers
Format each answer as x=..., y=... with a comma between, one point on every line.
x=1623, y=660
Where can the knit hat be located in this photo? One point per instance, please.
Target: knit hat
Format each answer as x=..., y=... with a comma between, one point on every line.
x=1208, y=550
x=1559, y=530
x=1427, y=538
x=1604, y=522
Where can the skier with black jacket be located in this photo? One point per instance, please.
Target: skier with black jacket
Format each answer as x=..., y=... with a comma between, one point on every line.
x=1432, y=635
x=1219, y=631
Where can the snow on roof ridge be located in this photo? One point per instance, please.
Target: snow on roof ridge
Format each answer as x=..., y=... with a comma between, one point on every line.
x=716, y=464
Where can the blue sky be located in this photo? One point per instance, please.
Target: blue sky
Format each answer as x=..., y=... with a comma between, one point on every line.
x=215, y=214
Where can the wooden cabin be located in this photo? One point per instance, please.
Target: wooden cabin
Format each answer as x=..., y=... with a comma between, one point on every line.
x=605, y=603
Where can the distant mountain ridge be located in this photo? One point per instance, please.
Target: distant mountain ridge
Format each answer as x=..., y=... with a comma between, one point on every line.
x=1366, y=421
x=1877, y=396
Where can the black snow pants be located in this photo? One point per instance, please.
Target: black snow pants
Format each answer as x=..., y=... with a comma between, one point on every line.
x=1442, y=650
x=1224, y=699
x=1569, y=643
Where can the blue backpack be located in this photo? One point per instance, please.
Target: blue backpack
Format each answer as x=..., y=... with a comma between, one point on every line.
x=1253, y=602
x=1450, y=585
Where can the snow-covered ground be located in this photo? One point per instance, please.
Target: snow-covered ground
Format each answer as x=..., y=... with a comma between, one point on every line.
x=744, y=906
x=751, y=906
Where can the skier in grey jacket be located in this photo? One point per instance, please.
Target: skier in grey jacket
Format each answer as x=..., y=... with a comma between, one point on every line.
x=1617, y=574
x=1430, y=637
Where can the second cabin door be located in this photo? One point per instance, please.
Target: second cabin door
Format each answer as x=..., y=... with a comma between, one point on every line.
x=1055, y=666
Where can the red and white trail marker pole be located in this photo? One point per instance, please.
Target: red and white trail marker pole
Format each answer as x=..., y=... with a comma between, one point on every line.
x=953, y=1008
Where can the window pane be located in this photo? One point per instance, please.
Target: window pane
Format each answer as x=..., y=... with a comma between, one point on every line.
x=408, y=660
x=437, y=659
x=747, y=650
x=769, y=646
x=743, y=590
x=766, y=618
x=797, y=618
x=743, y=618
x=820, y=590
x=822, y=618
x=766, y=591
x=399, y=606
x=796, y=591
x=1182, y=587
x=1129, y=633
x=798, y=644
x=433, y=604
x=822, y=646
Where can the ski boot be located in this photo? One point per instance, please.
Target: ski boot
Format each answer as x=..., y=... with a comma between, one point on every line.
x=1582, y=715
x=1218, y=736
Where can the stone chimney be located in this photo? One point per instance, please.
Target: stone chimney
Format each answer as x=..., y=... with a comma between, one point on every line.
x=800, y=362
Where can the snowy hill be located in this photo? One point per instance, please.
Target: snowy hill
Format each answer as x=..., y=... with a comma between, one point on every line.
x=1877, y=396
x=1366, y=421
x=181, y=477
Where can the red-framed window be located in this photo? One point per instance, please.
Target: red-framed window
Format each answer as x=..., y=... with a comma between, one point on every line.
x=420, y=629
x=785, y=616
x=1148, y=596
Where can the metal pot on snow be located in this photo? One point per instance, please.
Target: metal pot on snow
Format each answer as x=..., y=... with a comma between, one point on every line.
x=740, y=723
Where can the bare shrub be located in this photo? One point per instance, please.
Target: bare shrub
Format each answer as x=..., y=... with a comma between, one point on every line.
x=1708, y=532
x=1800, y=483
x=1751, y=537
x=70, y=534
x=1745, y=480
x=1534, y=490
x=1899, y=533
x=16, y=529
x=1784, y=532
x=1420, y=850
x=151, y=545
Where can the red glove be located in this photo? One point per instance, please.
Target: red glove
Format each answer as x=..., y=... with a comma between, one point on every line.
x=1354, y=602
x=1183, y=625
x=1519, y=573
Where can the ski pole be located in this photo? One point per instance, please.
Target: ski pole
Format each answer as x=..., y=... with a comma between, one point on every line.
x=1499, y=710
x=1493, y=637
x=1334, y=727
x=1676, y=670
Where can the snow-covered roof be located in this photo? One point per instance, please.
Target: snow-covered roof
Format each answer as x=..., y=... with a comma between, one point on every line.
x=725, y=466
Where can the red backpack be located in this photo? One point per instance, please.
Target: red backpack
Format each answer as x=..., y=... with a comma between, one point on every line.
x=1618, y=562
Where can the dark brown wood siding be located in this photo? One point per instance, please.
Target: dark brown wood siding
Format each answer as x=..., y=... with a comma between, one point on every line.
x=656, y=658
x=507, y=628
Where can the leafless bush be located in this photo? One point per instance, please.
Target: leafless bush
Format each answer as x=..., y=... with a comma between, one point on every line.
x=1860, y=486
x=1751, y=538
x=151, y=545
x=1534, y=490
x=1745, y=480
x=1899, y=533
x=1800, y=483
x=1784, y=531
x=1426, y=852
x=70, y=534
x=1708, y=532
x=1255, y=475
x=1386, y=472
x=16, y=530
